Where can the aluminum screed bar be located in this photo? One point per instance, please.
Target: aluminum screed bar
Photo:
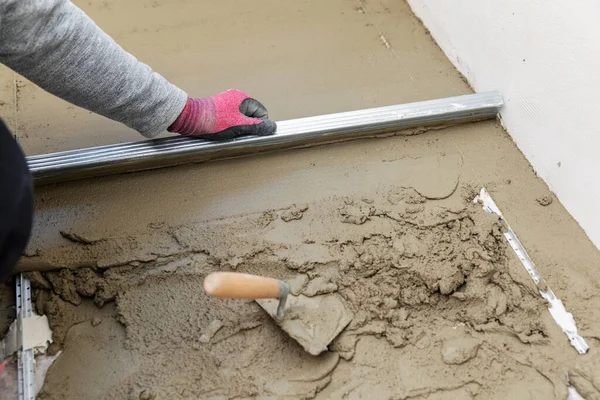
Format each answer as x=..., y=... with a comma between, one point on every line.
x=302, y=132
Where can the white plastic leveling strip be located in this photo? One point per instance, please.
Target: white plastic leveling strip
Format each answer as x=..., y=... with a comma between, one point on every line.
x=25, y=352
x=557, y=309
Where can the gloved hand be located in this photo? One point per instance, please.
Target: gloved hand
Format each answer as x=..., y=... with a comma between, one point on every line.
x=223, y=116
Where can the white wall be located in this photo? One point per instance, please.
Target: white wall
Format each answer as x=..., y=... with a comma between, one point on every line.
x=544, y=56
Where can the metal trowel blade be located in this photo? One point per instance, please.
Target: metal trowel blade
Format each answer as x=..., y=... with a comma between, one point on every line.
x=312, y=321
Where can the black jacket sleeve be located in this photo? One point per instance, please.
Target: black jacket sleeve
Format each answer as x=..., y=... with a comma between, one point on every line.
x=16, y=202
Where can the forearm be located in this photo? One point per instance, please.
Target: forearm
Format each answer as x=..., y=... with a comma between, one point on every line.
x=58, y=47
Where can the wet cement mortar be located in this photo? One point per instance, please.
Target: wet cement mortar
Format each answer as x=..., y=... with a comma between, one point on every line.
x=440, y=307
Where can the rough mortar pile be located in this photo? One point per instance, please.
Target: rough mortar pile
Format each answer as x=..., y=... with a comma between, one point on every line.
x=441, y=310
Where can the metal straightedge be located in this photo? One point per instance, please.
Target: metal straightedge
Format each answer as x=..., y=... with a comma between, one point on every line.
x=303, y=132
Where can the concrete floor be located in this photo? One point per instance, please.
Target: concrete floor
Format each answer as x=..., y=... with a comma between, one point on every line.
x=300, y=59
x=322, y=59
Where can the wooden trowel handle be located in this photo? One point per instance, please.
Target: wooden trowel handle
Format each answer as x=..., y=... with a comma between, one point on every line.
x=235, y=285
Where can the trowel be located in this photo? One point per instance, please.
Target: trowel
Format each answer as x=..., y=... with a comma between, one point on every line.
x=312, y=321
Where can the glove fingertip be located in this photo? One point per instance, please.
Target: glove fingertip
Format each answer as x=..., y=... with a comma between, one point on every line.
x=253, y=108
x=267, y=128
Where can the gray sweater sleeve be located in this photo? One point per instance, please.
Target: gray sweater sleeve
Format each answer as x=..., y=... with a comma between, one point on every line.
x=57, y=46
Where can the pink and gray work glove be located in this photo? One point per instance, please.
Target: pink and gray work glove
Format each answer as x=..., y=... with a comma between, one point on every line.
x=223, y=116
